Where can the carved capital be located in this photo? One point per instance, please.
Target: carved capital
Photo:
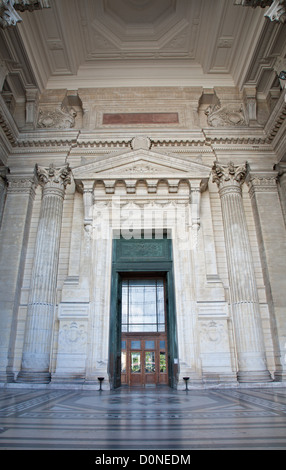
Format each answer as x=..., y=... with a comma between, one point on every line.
x=229, y=175
x=54, y=178
x=261, y=183
x=21, y=184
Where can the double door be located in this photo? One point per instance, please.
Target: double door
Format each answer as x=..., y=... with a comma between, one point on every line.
x=144, y=359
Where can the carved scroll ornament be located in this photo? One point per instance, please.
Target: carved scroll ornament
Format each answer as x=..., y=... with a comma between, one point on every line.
x=8, y=10
x=275, y=12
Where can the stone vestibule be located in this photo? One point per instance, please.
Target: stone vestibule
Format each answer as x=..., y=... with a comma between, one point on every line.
x=222, y=320
x=177, y=134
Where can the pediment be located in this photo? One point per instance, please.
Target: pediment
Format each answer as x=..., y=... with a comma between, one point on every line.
x=141, y=164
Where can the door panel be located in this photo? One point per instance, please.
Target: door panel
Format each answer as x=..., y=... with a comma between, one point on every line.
x=144, y=360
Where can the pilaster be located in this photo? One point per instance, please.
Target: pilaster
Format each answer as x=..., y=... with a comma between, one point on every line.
x=42, y=297
x=243, y=291
x=281, y=178
x=271, y=235
x=3, y=190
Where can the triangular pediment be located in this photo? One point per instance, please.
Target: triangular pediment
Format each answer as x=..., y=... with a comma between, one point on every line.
x=140, y=164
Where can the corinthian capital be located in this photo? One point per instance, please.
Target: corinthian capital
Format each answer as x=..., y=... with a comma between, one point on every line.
x=227, y=175
x=53, y=177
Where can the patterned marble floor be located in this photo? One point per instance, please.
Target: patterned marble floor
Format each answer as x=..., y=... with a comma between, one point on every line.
x=150, y=419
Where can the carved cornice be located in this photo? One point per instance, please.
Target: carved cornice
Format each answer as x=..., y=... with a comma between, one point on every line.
x=277, y=118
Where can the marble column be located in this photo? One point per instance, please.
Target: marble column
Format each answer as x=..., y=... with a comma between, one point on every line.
x=243, y=291
x=42, y=298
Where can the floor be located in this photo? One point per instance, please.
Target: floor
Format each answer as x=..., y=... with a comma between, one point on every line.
x=136, y=419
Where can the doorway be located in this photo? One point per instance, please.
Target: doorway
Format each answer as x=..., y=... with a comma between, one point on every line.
x=143, y=333
x=144, y=345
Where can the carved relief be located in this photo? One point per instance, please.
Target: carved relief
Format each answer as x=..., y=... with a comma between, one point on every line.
x=62, y=118
x=229, y=115
x=212, y=335
x=73, y=337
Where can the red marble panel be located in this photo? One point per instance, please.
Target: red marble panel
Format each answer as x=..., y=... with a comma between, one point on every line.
x=140, y=118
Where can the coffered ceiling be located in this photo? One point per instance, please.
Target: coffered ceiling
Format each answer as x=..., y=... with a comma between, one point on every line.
x=102, y=43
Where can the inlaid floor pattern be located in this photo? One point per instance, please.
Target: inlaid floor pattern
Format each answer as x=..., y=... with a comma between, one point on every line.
x=159, y=418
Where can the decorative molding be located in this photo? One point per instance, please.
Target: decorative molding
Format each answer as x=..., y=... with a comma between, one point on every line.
x=277, y=118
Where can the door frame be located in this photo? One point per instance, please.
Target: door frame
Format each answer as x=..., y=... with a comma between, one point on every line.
x=135, y=260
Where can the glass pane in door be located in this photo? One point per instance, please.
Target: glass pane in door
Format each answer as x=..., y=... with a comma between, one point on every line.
x=135, y=365
x=163, y=366
x=123, y=362
x=149, y=362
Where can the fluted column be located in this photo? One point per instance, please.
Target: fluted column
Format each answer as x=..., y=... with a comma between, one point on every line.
x=243, y=291
x=42, y=298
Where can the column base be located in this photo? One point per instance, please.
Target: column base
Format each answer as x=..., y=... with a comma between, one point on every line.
x=6, y=377
x=254, y=376
x=34, y=377
x=280, y=376
x=68, y=379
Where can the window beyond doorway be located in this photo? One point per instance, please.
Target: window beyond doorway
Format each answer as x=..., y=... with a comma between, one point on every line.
x=143, y=305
